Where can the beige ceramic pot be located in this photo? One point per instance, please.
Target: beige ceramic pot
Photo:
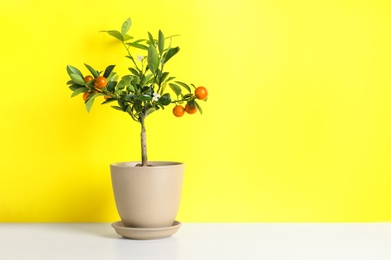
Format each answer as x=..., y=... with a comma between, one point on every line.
x=147, y=197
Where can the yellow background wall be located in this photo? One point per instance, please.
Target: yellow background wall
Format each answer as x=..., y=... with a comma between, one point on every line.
x=297, y=126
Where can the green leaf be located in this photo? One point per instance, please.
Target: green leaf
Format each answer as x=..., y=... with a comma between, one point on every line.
x=191, y=102
x=134, y=71
x=111, y=85
x=172, y=36
x=74, y=86
x=163, y=77
x=187, y=96
x=137, y=45
x=127, y=37
x=123, y=82
x=198, y=106
x=153, y=59
x=116, y=34
x=126, y=26
x=144, y=97
x=184, y=85
x=170, y=78
x=146, y=79
x=79, y=91
x=117, y=108
x=94, y=72
x=129, y=57
x=161, y=42
x=128, y=97
x=73, y=70
x=123, y=105
x=175, y=88
x=147, y=91
x=109, y=100
x=151, y=40
x=150, y=111
x=130, y=110
x=140, y=40
x=131, y=88
x=170, y=53
x=108, y=70
x=77, y=79
x=164, y=100
x=91, y=99
x=113, y=76
x=135, y=80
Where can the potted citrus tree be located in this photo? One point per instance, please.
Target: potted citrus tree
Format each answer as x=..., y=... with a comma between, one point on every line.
x=147, y=193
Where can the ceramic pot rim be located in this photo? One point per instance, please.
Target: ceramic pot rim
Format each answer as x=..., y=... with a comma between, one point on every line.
x=154, y=164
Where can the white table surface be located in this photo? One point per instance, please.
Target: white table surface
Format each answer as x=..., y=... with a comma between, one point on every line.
x=371, y=241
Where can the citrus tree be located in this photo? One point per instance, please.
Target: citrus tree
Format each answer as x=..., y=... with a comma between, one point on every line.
x=144, y=90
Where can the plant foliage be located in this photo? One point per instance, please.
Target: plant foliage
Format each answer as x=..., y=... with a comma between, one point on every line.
x=141, y=92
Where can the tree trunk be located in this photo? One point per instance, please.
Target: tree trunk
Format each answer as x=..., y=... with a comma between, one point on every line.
x=144, y=157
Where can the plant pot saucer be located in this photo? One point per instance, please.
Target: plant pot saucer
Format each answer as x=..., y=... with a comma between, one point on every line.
x=145, y=233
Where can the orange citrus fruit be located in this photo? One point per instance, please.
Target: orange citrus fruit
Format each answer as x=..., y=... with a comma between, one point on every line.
x=88, y=78
x=100, y=82
x=201, y=93
x=86, y=95
x=178, y=111
x=190, y=110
